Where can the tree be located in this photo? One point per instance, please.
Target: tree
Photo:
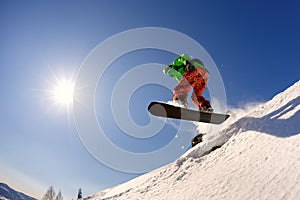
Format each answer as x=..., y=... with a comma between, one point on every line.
x=79, y=196
x=50, y=194
x=59, y=196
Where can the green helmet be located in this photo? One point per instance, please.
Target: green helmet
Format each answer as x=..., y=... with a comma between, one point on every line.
x=181, y=60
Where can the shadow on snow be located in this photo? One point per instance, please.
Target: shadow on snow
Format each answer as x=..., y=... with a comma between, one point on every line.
x=273, y=123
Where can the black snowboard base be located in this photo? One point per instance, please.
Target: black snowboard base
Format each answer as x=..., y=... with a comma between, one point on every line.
x=166, y=110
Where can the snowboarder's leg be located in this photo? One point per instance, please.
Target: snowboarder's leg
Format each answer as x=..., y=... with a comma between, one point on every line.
x=181, y=92
x=197, y=98
x=200, y=102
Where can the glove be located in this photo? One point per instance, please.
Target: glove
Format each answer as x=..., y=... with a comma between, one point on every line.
x=167, y=69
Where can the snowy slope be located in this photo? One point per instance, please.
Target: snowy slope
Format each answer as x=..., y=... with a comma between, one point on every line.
x=259, y=160
x=7, y=193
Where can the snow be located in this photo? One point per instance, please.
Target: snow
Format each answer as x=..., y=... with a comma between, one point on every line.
x=4, y=189
x=259, y=160
x=7, y=193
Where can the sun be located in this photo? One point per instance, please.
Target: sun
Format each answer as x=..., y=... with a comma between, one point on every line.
x=58, y=92
x=63, y=91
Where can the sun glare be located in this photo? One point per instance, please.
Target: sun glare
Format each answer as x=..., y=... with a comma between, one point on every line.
x=63, y=92
x=60, y=90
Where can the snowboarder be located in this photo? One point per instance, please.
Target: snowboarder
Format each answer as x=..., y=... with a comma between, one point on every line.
x=191, y=74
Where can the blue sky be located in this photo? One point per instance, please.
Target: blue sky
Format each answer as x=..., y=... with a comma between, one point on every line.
x=255, y=45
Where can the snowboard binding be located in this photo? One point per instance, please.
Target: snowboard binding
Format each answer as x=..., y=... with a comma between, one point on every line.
x=181, y=101
x=206, y=107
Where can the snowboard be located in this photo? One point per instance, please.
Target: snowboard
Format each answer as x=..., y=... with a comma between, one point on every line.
x=166, y=110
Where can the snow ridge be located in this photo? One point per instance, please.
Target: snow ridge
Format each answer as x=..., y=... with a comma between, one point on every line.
x=259, y=160
x=7, y=193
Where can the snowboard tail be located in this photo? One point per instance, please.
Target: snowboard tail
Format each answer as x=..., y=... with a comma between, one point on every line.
x=166, y=110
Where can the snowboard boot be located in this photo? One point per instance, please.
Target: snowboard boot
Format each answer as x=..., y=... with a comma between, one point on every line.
x=182, y=101
x=205, y=106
